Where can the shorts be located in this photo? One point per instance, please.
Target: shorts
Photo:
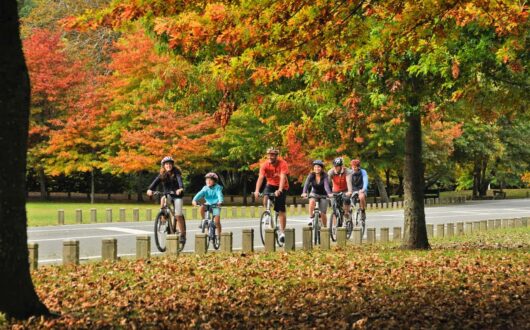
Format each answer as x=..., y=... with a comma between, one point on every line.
x=345, y=200
x=279, y=202
x=323, y=203
x=215, y=210
x=179, y=203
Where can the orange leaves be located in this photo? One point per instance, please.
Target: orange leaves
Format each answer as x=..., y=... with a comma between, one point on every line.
x=455, y=68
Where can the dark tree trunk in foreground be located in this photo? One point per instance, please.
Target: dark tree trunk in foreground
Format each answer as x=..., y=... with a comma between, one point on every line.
x=415, y=231
x=17, y=294
x=42, y=184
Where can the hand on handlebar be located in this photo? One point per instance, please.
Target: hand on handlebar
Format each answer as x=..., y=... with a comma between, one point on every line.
x=149, y=192
x=194, y=203
x=304, y=195
x=256, y=194
x=179, y=191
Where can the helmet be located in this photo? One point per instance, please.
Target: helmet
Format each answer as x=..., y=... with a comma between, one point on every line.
x=211, y=175
x=318, y=162
x=355, y=162
x=338, y=161
x=273, y=150
x=167, y=159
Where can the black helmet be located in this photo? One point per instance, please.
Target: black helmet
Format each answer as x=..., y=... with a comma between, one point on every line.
x=318, y=162
x=167, y=159
x=338, y=161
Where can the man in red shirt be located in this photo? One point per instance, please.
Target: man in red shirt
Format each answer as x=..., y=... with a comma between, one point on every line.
x=276, y=171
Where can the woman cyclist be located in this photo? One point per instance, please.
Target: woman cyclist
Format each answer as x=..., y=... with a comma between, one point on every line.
x=170, y=177
x=317, y=185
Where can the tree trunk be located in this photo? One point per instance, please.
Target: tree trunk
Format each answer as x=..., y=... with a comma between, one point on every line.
x=400, y=186
x=383, y=195
x=387, y=178
x=42, y=184
x=244, y=178
x=17, y=298
x=415, y=231
x=92, y=186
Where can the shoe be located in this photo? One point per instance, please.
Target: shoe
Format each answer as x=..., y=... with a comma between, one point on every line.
x=282, y=238
x=310, y=223
x=182, y=240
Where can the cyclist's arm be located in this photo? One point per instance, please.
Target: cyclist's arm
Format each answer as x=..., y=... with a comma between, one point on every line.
x=220, y=197
x=348, y=182
x=155, y=183
x=306, y=185
x=199, y=195
x=259, y=183
x=283, y=178
x=365, y=181
x=326, y=185
x=179, y=181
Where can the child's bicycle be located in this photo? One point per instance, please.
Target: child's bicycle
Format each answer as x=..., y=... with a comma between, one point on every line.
x=267, y=221
x=208, y=226
x=165, y=222
x=356, y=212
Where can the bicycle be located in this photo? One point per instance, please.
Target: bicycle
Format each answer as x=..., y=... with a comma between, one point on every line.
x=165, y=222
x=338, y=218
x=356, y=209
x=209, y=223
x=269, y=222
x=316, y=219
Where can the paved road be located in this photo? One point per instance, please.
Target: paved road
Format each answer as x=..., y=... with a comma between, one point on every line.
x=50, y=238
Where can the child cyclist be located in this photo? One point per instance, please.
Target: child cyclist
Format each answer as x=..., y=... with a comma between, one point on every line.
x=170, y=177
x=212, y=193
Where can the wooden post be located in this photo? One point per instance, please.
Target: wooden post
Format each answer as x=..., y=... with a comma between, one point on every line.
x=450, y=229
x=173, y=245
x=93, y=215
x=440, y=230
x=307, y=238
x=248, y=240
x=357, y=238
x=234, y=212
x=290, y=241
x=136, y=215
x=384, y=235
x=397, y=234
x=459, y=228
x=143, y=247
x=291, y=209
x=60, y=217
x=524, y=221
x=469, y=228
x=200, y=244
x=226, y=242
x=519, y=222
x=244, y=212
x=325, y=243
x=148, y=215
x=430, y=230
x=78, y=216
x=341, y=236
x=498, y=223
x=370, y=235
x=122, y=215
x=194, y=215
x=252, y=211
x=224, y=210
x=483, y=225
x=33, y=250
x=491, y=224
x=299, y=209
x=109, y=249
x=270, y=240
x=504, y=223
x=511, y=223
x=109, y=215
x=71, y=252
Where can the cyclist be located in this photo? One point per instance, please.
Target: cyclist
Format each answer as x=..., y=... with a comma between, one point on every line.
x=212, y=193
x=359, y=184
x=276, y=171
x=318, y=181
x=340, y=177
x=170, y=177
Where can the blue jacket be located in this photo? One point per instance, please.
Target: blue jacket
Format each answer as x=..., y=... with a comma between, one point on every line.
x=212, y=195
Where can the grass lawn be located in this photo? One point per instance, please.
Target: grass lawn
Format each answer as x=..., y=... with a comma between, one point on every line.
x=480, y=281
x=510, y=193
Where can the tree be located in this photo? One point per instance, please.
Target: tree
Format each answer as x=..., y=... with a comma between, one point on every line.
x=18, y=298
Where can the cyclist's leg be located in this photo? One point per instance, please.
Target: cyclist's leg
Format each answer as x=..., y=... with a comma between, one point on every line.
x=179, y=215
x=162, y=202
x=347, y=206
x=268, y=190
x=202, y=210
x=279, y=206
x=323, y=210
x=217, y=219
x=362, y=200
x=312, y=204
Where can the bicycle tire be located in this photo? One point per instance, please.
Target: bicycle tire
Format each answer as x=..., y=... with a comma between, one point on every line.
x=263, y=225
x=316, y=227
x=161, y=231
x=335, y=221
x=216, y=241
x=277, y=231
x=359, y=222
x=181, y=246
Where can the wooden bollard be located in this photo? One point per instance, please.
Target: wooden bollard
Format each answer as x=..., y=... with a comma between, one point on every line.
x=109, y=215
x=299, y=209
x=524, y=221
x=511, y=223
x=122, y=215
x=143, y=247
x=483, y=225
x=384, y=235
x=93, y=215
x=226, y=242
x=357, y=236
x=172, y=244
x=60, y=217
x=252, y=211
x=248, y=240
x=234, y=212
x=369, y=206
x=78, y=216
x=469, y=228
x=136, y=215
x=290, y=241
x=200, y=243
x=325, y=243
x=397, y=234
x=341, y=236
x=430, y=230
x=450, y=229
x=71, y=252
x=33, y=250
x=498, y=223
x=440, y=228
x=194, y=214
x=270, y=240
x=459, y=228
x=291, y=209
x=491, y=224
x=148, y=215
x=476, y=226
x=519, y=222
x=224, y=210
x=370, y=235
x=109, y=249
x=307, y=238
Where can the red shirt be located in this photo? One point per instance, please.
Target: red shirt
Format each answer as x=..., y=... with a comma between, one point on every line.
x=273, y=172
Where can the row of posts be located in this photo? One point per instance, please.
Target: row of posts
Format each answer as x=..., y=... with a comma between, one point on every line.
x=109, y=246
x=227, y=211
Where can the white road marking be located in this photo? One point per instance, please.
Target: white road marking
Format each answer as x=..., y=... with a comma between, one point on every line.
x=126, y=230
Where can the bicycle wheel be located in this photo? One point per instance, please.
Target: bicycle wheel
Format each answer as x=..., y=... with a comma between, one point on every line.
x=335, y=222
x=316, y=227
x=181, y=246
x=264, y=223
x=162, y=229
x=360, y=222
x=216, y=240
